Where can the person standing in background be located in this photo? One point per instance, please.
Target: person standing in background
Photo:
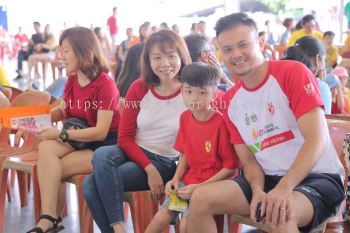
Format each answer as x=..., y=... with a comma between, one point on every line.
x=113, y=26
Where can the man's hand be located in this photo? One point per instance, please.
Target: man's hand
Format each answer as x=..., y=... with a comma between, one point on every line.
x=258, y=197
x=278, y=209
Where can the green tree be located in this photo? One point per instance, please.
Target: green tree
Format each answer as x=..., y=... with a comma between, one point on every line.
x=275, y=5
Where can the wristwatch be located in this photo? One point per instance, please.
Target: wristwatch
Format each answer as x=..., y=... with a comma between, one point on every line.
x=64, y=135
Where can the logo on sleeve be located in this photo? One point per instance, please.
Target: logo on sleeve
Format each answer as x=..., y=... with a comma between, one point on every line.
x=309, y=89
x=207, y=146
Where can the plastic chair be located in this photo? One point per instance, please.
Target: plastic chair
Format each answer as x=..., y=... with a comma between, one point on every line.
x=23, y=160
x=338, y=127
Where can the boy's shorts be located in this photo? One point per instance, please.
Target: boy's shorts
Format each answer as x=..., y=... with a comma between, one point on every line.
x=325, y=191
x=176, y=214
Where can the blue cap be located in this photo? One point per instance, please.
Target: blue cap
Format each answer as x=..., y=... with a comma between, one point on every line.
x=332, y=80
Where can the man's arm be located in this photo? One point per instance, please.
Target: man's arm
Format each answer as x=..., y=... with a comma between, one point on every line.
x=311, y=126
x=254, y=174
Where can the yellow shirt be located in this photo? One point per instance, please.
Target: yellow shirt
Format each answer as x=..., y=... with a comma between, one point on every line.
x=3, y=77
x=301, y=33
x=331, y=55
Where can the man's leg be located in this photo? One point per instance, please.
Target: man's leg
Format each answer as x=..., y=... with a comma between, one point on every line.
x=223, y=197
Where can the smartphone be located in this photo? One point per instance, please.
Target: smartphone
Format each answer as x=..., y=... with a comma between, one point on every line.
x=258, y=212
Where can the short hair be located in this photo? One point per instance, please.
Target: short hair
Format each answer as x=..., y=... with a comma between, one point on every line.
x=36, y=23
x=86, y=47
x=115, y=8
x=200, y=74
x=234, y=20
x=287, y=22
x=329, y=33
x=161, y=39
x=195, y=44
x=201, y=22
x=307, y=18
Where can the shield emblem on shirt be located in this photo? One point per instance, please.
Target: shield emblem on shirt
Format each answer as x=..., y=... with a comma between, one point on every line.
x=207, y=146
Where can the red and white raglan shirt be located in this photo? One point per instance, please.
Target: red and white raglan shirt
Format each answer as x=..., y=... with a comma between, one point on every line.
x=149, y=121
x=206, y=146
x=265, y=118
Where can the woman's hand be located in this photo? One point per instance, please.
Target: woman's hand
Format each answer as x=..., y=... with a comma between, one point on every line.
x=171, y=187
x=155, y=182
x=49, y=134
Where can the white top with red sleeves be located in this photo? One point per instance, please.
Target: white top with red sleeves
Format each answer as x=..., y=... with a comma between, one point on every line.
x=265, y=118
x=149, y=121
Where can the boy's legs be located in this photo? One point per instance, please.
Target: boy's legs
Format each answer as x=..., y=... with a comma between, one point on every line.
x=160, y=221
x=222, y=197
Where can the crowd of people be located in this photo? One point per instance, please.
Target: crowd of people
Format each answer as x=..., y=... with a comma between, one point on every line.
x=197, y=109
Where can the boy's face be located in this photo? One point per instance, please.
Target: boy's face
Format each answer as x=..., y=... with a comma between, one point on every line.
x=328, y=39
x=197, y=99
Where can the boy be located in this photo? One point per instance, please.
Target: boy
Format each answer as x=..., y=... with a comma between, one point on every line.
x=203, y=141
x=331, y=50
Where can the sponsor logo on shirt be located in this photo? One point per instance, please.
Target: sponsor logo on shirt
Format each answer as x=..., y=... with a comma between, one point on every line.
x=309, y=89
x=271, y=141
x=271, y=108
x=251, y=118
x=207, y=146
x=261, y=132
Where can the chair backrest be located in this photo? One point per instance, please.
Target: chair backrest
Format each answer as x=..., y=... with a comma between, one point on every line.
x=338, y=128
x=4, y=102
x=29, y=98
x=279, y=50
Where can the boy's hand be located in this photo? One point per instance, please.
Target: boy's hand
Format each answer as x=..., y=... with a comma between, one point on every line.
x=171, y=187
x=186, y=192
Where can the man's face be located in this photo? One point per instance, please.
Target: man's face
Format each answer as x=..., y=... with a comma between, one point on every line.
x=241, y=49
x=310, y=26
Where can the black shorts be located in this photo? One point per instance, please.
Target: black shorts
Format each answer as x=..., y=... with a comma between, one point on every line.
x=325, y=192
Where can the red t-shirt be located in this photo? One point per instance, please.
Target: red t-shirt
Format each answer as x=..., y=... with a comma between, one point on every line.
x=112, y=24
x=206, y=145
x=84, y=102
x=336, y=110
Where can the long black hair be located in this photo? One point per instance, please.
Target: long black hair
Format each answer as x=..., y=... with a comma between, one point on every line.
x=131, y=69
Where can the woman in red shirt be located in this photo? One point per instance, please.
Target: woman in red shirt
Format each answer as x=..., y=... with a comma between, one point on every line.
x=144, y=157
x=90, y=95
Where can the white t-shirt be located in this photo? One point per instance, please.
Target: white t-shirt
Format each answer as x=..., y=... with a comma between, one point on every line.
x=265, y=118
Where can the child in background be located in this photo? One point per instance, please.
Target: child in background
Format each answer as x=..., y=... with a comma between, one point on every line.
x=339, y=103
x=203, y=140
x=343, y=76
x=331, y=50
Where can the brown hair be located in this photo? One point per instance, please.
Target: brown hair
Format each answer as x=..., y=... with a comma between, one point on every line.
x=162, y=38
x=87, y=49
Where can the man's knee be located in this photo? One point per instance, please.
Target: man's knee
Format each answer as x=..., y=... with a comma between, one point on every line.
x=199, y=200
x=290, y=227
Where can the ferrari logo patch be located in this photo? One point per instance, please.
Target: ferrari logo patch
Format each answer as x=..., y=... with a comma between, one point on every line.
x=207, y=146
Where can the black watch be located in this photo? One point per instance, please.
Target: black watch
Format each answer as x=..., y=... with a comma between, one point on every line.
x=64, y=135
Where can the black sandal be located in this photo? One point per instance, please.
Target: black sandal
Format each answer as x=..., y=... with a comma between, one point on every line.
x=56, y=228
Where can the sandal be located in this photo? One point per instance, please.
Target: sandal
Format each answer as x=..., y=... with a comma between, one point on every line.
x=56, y=228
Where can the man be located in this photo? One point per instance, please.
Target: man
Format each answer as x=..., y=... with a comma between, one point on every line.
x=23, y=54
x=112, y=25
x=309, y=29
x=277, y=125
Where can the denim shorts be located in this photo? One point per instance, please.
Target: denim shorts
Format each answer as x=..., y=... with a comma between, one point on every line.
x=325, y=192
x=111, y=139
x=176, y=214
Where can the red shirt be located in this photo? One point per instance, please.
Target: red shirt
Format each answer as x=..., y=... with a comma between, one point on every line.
x=112, y=24
x=336, y=110
x=84, y=102
x=206, y=145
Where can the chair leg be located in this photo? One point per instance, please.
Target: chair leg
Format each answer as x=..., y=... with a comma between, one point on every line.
x=23, y=188
x=36, y=194
x=87, y=222
x=142, y=210
x=11, y=185
x=3, y=185
x=29, y=183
